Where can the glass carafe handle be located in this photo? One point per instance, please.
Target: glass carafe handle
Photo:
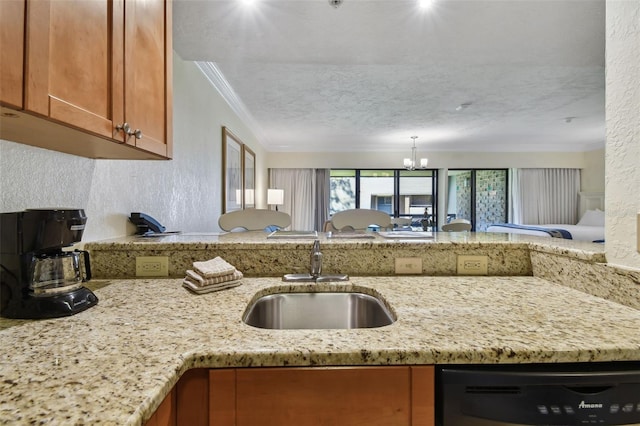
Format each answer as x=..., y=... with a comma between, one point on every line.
x=87, y=265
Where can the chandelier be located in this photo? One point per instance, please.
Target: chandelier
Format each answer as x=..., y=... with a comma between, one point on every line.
x=412, y=163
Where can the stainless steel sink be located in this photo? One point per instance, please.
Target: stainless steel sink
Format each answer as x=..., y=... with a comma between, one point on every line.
x=318, y=310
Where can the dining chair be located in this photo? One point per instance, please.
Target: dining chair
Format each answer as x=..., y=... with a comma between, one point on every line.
x=457, y=225
x=358, y=219
x=253, y=220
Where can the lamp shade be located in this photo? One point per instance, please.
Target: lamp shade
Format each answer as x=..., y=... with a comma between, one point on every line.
x=249, y=197
x=275, y=197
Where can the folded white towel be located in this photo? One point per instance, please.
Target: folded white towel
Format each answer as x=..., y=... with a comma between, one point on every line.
x=213, y=268
x=198, y=280
x=208, y=289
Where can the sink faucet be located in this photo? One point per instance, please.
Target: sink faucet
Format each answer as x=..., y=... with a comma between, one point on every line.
x=316, y=260
x=315, y=271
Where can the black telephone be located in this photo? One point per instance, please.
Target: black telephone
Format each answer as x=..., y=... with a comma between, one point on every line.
x=146, y=224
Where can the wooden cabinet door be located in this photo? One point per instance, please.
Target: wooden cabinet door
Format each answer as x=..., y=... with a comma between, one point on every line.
x=423, y=395
x=11, y=52
x=192, y=398
x=324, y=396
x=73, y=68
x=344, y=396
x=148, y=74
x=165, y=415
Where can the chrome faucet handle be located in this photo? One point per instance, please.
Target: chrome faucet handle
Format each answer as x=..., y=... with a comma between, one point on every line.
x=316, y=260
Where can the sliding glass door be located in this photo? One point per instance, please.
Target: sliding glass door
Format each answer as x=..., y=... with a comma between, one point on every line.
x=399, y=193
x=377, y=190
x=417, y=191
x=478, y=195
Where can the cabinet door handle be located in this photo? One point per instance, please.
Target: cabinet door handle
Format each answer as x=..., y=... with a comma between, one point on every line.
x=124, y=127
x=137, y=133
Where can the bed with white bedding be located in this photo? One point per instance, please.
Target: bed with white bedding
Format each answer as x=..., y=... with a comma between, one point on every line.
x=589, y=228
x=570, y=232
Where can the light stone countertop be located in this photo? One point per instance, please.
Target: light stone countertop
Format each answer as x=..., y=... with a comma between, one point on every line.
x=114, y=363
x=257, y=256
x=251, y=239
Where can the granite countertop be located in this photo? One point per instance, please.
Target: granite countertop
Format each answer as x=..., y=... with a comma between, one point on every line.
x=257, y=256
x=252, y=239
x=114, y=363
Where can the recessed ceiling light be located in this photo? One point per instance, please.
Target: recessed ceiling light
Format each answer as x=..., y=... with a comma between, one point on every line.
x=248, y=3
x=426, y=4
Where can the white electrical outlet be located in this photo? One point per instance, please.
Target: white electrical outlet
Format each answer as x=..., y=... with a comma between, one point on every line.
x=152, y=266
x=408, y=265
x=473, y=265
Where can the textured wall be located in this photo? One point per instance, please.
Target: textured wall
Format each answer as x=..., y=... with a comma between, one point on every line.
x=38, y=178
x=437, y=159
x=184, y=193
x=592, y=175
x=623, y=131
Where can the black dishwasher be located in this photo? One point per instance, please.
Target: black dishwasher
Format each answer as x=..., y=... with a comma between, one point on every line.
x=538, y=394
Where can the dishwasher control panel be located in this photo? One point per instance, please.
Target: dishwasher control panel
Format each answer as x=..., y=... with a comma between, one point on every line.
x=507, y=395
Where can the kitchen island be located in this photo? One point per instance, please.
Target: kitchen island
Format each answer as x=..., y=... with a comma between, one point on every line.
x=115, y=363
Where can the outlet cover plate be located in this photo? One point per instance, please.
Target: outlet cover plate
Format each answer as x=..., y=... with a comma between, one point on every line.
x=408, y=265
x=152, y=266
x=473, y=265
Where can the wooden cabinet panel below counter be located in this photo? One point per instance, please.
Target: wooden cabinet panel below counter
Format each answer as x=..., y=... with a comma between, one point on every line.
x=322, y=395
x=301, y=396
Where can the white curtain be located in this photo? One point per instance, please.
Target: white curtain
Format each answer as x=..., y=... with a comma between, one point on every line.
x=545, y=196
x=299, y=187
x=323, y=192
x=515, y=206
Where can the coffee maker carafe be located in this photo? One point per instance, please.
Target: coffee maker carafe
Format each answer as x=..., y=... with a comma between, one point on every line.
x=38, y=279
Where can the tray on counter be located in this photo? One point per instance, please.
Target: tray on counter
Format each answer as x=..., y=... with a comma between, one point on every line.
x=293, y=234
x=350, y=234
x=406, y=234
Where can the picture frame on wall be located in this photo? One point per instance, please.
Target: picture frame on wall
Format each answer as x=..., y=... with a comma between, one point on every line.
x=232, y=172
x=249, y=173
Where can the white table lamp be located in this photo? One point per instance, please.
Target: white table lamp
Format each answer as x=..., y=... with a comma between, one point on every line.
x=275, y=197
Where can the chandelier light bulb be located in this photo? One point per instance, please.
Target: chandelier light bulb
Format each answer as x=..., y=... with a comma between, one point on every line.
x=412, y=163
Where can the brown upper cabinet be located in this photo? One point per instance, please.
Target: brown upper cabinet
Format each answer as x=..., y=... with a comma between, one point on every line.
x=99, y=74
x=11, y=52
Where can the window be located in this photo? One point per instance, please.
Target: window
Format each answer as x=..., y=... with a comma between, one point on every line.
x=376, y=190
x=400, y=193
x=417, y=190
x=342, y=190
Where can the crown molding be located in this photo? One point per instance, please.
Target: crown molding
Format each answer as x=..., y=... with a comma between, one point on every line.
x=220, y=83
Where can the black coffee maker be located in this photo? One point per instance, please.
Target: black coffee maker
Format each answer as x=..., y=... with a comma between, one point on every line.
x=38, y=279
